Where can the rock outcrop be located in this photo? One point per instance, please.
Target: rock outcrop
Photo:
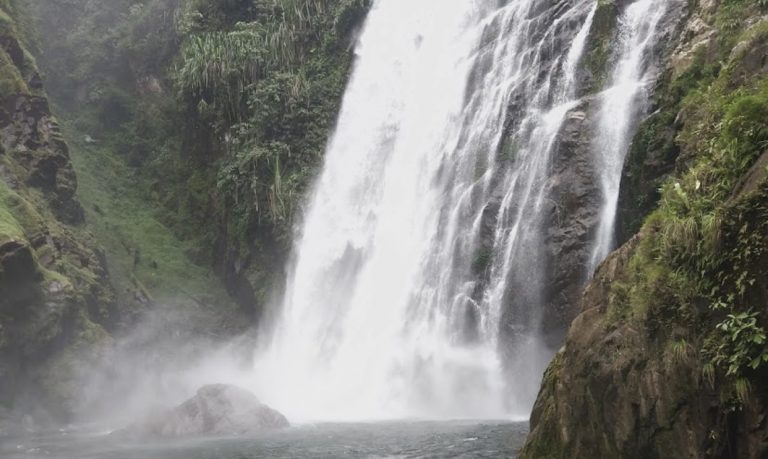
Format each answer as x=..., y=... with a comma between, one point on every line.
x=216, y=409
x=575, y=200
x=573, y=193
x=55, y=293
x=28, y=130
x=623, y=386
x=666, y=358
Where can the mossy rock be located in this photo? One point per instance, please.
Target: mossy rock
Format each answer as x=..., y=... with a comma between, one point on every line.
x=11, y=81
x=7, y=24
x=10, y=229
x=599, y=43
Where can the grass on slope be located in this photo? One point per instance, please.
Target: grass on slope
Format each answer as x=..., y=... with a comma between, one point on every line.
x=143, y=255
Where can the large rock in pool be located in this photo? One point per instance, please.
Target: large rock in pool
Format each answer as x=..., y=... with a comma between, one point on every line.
x=216, y=409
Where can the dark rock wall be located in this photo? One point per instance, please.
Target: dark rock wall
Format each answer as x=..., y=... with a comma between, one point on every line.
x=573, y=192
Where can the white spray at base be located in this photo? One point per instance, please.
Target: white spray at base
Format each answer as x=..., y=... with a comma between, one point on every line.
x=385, y=315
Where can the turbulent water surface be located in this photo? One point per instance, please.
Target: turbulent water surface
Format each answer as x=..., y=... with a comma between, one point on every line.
x=379, y=440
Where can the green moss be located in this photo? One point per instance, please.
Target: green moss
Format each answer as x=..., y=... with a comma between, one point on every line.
x=7, y=24
x=546, y=441
x=599, y=42
x=24, y=211
x=142, y=253
x=21, y=215
x=11, y=81
x=482, y=260
x=53, y=276
x=10, y=229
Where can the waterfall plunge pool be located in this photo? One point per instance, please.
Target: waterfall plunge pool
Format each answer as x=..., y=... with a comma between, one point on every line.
x=393, y=439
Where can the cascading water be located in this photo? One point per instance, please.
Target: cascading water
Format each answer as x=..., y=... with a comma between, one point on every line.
x=622, y=103
x=417, y=283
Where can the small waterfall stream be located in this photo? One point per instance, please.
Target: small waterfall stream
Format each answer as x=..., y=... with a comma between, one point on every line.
x=622, y=104
x=417, y=283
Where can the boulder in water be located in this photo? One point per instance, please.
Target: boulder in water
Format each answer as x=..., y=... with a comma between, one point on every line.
x=216, y=409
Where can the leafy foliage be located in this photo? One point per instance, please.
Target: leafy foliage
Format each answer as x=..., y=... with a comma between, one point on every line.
x=218, y=66
x=268, y=91
x=697, y=277
x=743, y=344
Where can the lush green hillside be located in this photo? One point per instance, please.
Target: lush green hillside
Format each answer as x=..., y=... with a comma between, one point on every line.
x=222, y=109
x=193, y=130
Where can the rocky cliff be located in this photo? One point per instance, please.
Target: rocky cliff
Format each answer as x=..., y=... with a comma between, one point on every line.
x=55, y=294
x=668, y=355
x=100, y=217
x=82, y=255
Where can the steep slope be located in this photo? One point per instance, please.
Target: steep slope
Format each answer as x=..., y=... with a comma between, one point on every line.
x=55, y=294
x=234, y=146
x=80, y=263
x=668, y=356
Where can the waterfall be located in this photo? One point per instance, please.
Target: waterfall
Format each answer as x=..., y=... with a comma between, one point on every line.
x=416, y=286
x=621, y=106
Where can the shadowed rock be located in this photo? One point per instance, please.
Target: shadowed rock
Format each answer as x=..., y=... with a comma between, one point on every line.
x=217, y=409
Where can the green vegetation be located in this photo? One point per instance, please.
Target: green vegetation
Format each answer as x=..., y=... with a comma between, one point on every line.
x=143, y=253
x=743, y=344
x=269, y=90
x=220, y=110
x=706, y=245
x=599, y=42
x=10, y=229
x=217, y=67
x=10, y=78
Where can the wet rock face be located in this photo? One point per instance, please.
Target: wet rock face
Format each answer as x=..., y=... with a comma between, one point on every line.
x=573, y=193
x=19, y=277
x=574, y=213
x=30, y=135
x=653, y=154
x=217, y=409
x=604, y=397
x=632, y=382
x=616, y=390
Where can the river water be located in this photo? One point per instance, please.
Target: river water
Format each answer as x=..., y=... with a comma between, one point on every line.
x=457, y=439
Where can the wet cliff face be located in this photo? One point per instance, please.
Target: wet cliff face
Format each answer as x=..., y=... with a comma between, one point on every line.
x=667, y=357
x=55, y=294
x=573, y=190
